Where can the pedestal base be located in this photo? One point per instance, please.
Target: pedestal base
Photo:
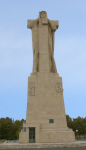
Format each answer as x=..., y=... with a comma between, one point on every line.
x=47, y=135
x=45, y=119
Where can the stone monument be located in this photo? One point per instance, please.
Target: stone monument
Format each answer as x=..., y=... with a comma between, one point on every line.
x=45, y=117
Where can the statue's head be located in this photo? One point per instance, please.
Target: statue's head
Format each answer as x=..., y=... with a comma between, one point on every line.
x=42, y=14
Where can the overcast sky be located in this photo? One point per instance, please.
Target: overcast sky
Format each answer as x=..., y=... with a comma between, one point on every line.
x=16, y=53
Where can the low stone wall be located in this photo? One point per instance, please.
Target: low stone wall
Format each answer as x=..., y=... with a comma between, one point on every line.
x=42, y=145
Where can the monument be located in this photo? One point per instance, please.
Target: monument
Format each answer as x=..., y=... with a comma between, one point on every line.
x=45, y=117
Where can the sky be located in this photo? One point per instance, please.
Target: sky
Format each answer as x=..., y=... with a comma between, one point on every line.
x=16, y=57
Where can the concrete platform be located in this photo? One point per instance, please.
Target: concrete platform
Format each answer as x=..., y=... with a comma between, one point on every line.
x=42, y=145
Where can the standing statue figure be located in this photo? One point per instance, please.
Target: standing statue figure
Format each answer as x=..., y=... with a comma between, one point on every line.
x=36, y=26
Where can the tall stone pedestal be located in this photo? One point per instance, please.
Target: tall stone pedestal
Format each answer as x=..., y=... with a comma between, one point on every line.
x=45, y=103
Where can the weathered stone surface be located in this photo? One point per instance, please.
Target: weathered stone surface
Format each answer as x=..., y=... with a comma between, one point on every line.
x=45, y=92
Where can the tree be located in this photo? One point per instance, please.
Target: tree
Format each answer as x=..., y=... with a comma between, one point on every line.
x=7, y=129
x=69, y=121
x=78, y=125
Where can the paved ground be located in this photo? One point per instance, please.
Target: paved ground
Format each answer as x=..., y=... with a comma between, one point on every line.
x=69, y=148
x=77, y=145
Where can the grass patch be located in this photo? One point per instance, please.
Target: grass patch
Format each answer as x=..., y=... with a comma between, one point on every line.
x=65, y=146
x=3, y=140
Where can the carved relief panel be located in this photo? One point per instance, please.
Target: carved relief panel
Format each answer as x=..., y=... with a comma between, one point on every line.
x=31, y=88
x=58, y=88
